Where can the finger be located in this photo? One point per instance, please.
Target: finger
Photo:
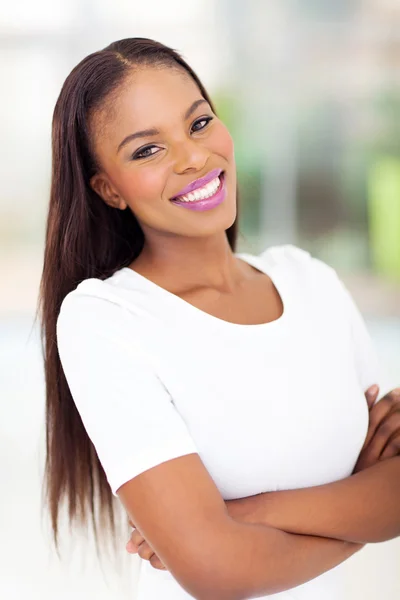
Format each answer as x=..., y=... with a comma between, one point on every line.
x=366, y=459
x=145, y=551
x=392, y=448
x=364, y=462
x=371, y=395
x=156, y=563
x=377, y=414
x=393, y=395
x=133, y=546
x=134, y=542
x=388, y=428
x=136, y=537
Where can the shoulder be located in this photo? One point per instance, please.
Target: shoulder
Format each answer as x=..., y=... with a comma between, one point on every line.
x=95, y=297
x=285, y=253
x=93, y=323
x=298, y=261
x=89, y=299
x=95, y=312
x=305, y=272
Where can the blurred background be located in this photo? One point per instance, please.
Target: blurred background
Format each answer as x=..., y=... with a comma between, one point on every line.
x=310, y=90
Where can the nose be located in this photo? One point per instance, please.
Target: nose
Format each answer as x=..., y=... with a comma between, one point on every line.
x=190, y=155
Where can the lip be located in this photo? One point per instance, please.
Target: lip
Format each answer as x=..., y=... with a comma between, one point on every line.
x=198, y=183
x=207, y=203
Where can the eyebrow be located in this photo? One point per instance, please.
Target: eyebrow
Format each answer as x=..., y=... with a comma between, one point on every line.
x=192, y=108
x=153, y=131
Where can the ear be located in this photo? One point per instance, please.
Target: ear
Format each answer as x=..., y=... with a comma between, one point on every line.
x=105, y=189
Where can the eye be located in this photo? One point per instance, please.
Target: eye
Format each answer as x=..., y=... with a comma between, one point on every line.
x=144, y=152
x=203, y=122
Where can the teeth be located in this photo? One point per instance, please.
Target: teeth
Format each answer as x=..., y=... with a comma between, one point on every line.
x=201, y=193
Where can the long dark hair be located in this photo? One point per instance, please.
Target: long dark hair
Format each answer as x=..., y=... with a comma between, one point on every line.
x=85, y=238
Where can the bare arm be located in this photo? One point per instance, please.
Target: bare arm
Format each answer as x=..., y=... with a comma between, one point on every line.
x=181, y=514
x=363, y=508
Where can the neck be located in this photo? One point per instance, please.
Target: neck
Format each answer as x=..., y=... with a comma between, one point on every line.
x=188, y=263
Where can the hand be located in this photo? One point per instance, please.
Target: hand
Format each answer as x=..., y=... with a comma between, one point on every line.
x=383, y=436
x=382, y=442
x=137, y=544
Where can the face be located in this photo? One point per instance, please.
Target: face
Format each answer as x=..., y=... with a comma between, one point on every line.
x=160, y=136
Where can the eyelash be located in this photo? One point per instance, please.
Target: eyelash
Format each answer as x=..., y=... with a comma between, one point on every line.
x=207, y=119
x=136, y=155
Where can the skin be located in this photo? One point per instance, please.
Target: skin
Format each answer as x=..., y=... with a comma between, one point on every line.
x=383, y=437
x=382, y=442
x=185, y=251
x=176, y=506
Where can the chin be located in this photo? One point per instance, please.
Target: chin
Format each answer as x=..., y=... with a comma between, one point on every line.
x=221, y=223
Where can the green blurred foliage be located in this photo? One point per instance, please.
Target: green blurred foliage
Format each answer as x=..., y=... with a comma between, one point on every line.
x=338, y=147
x=384, y=211
x=230, y=111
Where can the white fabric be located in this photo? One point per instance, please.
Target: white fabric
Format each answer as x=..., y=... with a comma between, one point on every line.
x=267, y=407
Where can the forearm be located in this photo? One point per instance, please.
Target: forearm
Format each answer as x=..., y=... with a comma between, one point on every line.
x=263, y=560
x=363, y=508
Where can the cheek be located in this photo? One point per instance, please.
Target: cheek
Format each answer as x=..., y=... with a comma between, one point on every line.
x=143, y=185
x=222, y=142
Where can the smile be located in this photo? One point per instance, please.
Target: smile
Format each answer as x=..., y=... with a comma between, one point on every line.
x=206, y=197
x=199, y=183
x=201, y=193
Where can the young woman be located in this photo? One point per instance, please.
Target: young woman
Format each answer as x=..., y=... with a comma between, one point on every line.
x=190, y=384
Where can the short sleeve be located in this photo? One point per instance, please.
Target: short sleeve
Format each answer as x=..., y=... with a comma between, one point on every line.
x=367, y=363
x=125, y=408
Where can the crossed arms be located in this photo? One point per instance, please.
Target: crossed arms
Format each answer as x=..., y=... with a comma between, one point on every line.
x=262, y=544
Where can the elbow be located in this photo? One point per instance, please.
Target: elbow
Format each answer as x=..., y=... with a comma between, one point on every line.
x=378, y=537
x=383, y=537
x=218, y=593
x=209, y=570
x=210, y=579
x=203, y=586
x=220, y=596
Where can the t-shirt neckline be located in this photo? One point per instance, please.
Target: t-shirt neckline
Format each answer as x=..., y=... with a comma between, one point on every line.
x=252, y=260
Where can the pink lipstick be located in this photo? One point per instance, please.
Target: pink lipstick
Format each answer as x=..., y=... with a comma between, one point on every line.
x=198, y=183
x=201, y=204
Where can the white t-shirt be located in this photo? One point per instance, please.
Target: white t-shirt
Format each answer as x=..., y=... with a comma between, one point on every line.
x=267, y=407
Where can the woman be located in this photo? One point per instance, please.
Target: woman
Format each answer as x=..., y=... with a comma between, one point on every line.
x=186, y=380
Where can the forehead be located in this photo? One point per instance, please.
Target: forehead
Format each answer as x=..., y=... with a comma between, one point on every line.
x=149, y=97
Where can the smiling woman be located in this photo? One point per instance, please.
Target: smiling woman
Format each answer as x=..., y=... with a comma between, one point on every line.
x=179, y=374
x=184, y=139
